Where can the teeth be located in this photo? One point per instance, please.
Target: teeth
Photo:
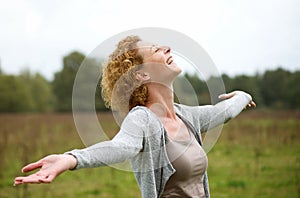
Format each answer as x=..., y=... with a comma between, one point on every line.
x=170, y=60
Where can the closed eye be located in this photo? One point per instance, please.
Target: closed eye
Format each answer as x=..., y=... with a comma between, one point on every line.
x=154, y=48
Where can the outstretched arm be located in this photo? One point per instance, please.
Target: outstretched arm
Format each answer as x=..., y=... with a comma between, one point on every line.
x=210, y=116
x=233, y=103
x=50, y=167
x=230, y=95
x=125, y=145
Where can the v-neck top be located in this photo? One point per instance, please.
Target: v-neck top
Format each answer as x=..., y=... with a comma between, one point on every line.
x=190, y=162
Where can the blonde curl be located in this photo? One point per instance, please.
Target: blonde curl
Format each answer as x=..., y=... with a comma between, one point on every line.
x=121, y=91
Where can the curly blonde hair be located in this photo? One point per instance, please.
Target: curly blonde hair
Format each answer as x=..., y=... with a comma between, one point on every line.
x=121, y=90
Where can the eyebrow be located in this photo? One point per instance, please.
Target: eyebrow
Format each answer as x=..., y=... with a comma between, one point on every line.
x=152, y=46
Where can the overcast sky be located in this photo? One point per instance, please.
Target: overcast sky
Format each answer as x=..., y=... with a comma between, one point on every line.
x=241, y=36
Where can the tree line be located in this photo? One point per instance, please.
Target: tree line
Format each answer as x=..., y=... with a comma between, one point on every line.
x=28, y=92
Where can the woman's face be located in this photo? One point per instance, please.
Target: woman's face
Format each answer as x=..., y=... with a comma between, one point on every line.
x=158, y=61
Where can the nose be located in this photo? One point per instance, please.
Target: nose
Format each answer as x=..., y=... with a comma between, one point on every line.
x=166, y=49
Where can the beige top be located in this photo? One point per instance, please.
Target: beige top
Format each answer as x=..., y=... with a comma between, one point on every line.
x=190, y=162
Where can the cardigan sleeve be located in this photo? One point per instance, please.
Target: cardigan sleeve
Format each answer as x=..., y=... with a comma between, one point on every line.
x=126, y=144
x=210, y=116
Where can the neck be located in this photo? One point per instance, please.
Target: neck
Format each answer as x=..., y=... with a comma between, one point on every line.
x=161, y=100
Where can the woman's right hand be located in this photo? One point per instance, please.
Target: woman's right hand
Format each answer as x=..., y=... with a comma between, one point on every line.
x=50, y=167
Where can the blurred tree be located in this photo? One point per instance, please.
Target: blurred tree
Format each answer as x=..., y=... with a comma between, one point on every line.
x=64, y=80
x=100, y=105
x=249, y=84
x=274, y=88
x=200, y=88
x=228, y=82
x=32, y=92
x=15, y=96
x=185, y=92
x=86, y=85
x=292, y=90
x=216, y=87
x=42, y=93
x=39, y=89
x=86, y=91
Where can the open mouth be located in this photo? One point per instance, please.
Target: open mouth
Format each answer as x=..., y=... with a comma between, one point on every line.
x=170, y=60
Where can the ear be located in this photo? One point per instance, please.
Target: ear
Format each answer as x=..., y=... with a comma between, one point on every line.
x=142, y=76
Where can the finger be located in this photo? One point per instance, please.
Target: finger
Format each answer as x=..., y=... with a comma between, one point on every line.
x=247, y=106
x=226, y=95
x=34, y=179
x=33, y=176
x=32, y=166
x=253, y=103
x=30, y=179
x=18, y=181
x=222, y=96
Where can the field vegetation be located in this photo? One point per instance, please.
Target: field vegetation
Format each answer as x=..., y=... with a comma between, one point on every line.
x=257, y=155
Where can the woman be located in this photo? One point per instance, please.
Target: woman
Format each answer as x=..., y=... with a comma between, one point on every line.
x=161, y=139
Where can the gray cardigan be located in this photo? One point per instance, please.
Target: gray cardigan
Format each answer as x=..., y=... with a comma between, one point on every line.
x=142, y=140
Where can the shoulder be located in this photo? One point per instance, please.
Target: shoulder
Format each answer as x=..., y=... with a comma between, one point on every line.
x=185, y=109
x=140, y=111
x=188, y=112
x=138, y=114
x=140, y=117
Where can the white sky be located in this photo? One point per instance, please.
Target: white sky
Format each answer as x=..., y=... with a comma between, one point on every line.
x=241, y=36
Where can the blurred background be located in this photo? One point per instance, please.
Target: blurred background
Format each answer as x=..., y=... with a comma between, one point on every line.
x=254, y=44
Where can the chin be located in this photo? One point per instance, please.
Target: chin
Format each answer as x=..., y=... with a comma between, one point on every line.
x=178, y=72
x=177, y=69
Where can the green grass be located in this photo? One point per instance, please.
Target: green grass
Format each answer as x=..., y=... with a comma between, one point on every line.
x=257, y=155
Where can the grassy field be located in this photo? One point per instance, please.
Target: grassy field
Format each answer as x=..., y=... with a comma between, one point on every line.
x=257, y=155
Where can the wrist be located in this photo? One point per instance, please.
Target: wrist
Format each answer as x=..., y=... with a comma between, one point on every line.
x=244, y=93
x=72, y=161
